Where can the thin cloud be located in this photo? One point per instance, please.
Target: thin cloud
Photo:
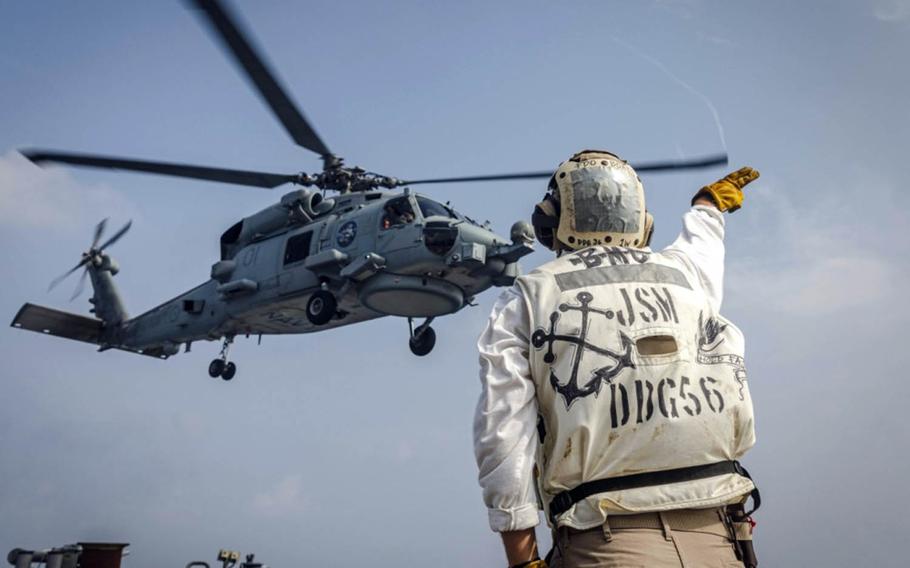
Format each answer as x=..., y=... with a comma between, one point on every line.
x=892, y=11
x=283, y=498
x=821, y=286
x=819, y=261
x=405, y=451
x=715, y=39
x=674, y=77
x=51, y=199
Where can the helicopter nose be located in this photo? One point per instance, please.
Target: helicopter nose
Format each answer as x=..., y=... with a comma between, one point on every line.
x=440, y=237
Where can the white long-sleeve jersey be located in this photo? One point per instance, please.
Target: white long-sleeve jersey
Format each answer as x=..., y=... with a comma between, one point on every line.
x=508, y=421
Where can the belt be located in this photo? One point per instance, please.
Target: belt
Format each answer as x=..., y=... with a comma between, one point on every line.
x=563, y=501
x=678, y=519
x=709, y=521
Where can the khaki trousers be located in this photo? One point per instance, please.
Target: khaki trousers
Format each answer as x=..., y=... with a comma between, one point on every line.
x=692, y=538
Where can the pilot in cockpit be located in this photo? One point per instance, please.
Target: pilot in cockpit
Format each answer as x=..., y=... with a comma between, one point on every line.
x=397, y=212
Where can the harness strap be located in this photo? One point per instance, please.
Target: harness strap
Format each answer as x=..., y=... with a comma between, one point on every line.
x=563, y=501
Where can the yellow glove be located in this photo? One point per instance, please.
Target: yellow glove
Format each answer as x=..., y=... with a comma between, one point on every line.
x=727, y=192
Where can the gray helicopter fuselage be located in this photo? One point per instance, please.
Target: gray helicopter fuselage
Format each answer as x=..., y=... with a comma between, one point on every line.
x=426, y=261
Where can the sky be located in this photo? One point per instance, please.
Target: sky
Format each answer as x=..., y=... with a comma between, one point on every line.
x=341, y=448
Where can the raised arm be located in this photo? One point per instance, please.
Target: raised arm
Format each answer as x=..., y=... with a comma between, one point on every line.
x=701, y=241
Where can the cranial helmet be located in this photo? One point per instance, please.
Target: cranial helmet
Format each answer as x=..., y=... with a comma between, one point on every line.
x=593, y=198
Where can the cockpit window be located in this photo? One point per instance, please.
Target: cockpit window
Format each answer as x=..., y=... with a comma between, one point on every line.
x=397, y=212
x=430, y=208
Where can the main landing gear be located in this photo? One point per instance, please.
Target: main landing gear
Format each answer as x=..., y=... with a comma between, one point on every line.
x=221, y=367
x=423, y=339
x=321, y=308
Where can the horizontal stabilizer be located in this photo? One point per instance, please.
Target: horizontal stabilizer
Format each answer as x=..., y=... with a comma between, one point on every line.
x=60, y=324
x=72, y=326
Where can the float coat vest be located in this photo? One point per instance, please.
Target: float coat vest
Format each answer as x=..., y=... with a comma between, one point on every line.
x=634, y=372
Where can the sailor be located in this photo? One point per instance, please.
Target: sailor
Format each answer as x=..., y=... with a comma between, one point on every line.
x=614, y=393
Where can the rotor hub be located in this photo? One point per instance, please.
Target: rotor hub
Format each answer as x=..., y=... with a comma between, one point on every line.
x=338, y=177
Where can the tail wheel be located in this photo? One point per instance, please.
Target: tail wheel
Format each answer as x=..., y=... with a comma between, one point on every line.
x=321, y=308
x=230, y=369
x=422, y=343
x=217, y=367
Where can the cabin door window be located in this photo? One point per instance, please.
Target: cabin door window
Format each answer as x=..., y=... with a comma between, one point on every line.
x=297, y=248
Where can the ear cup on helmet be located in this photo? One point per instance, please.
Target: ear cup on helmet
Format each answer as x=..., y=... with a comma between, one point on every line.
x=545, y=220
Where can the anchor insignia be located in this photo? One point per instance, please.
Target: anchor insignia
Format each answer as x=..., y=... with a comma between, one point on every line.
x=571, y=391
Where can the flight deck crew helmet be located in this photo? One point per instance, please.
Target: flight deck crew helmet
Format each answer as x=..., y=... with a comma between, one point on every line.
x=593, y=198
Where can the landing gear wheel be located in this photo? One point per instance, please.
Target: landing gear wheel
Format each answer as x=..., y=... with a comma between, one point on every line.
x=321, y=308
x=422, y=343
x=229, y=371
x=216, y=367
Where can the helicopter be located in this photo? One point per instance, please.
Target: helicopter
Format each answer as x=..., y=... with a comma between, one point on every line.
x=309, y=262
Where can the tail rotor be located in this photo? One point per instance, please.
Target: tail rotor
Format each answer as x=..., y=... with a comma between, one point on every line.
x=93, y=255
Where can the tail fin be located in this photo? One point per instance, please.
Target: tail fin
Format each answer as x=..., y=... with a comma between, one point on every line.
x=100, y=268
x=106, y=302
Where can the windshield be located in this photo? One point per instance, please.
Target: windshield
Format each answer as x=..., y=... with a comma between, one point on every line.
x=430, y=208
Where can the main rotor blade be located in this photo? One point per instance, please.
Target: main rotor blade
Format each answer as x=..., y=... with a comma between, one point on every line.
x=670, y=165
x=99, y=230
x=228, y=29
x=116, y=236
x=497, y=177
x=677, y=165
x=63, y=276
x=238, y=177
